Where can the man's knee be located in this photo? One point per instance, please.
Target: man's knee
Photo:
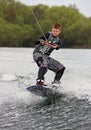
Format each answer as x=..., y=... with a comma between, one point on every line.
x=40, y=61
x=61, y=70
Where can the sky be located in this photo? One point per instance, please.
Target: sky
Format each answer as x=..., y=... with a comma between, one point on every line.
x=84, y=6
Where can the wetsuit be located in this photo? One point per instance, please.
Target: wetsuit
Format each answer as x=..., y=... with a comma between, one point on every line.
x=41, y=55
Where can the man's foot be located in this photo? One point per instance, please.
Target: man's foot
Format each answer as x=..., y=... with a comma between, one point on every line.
x=40, y=82
x=56, y=84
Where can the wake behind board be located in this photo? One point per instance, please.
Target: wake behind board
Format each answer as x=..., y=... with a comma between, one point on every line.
x=43, y=91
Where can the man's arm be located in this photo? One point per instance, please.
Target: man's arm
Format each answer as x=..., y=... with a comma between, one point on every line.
x=59, y=45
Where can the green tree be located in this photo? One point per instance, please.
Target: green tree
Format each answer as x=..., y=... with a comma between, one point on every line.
x=20, y=24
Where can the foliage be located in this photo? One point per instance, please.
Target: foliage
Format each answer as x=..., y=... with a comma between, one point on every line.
x=20, y=24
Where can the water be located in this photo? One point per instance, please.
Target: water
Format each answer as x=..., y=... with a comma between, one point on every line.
x=20, y=110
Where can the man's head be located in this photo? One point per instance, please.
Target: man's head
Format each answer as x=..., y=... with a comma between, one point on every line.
x=56, y=29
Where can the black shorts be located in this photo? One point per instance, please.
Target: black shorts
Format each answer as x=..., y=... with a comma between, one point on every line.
x=48, y=62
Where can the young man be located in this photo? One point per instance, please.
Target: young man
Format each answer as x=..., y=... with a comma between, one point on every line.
x=44, y=47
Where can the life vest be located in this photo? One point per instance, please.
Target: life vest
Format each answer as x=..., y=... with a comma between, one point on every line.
x=52, y=39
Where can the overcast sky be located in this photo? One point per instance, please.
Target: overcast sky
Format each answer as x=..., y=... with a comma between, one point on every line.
x=84, y=6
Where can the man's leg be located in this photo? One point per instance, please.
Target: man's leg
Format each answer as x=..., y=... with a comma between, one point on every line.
x=56, y=67
x=41, y=62
x=59, y=74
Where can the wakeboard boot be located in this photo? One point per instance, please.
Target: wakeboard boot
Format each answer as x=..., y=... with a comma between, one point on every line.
x=40, y=82
x=56, y=84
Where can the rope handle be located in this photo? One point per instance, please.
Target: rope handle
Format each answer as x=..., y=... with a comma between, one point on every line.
x=49, y=44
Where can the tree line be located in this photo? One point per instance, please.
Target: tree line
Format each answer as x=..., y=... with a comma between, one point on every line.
x=20, y=28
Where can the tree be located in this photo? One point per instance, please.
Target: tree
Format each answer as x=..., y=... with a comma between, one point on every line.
x=21, y=25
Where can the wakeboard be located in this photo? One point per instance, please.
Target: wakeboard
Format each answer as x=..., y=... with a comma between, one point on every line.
x=43, y=91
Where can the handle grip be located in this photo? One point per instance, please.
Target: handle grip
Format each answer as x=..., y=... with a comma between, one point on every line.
x=46, y=43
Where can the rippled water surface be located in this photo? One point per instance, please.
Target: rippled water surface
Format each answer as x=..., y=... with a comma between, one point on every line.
x=21, y=110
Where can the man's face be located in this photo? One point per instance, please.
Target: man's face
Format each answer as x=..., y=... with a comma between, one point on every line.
x=55, y=32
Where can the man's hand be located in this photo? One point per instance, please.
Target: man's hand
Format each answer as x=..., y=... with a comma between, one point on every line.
x=49, y=44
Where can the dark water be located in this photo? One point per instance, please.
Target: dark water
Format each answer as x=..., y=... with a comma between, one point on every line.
x=62, y=113
x=20, y=110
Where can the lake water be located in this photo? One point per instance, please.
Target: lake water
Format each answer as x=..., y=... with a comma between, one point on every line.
x=21, y=110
